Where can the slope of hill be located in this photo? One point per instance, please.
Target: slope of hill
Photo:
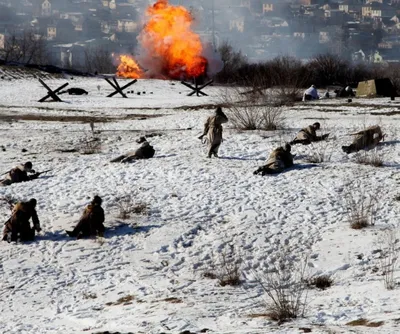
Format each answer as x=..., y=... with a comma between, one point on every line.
x=153, y=272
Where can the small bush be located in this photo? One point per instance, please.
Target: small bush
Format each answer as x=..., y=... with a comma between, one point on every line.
x=226, y=268
x=373, y=157
x=319, y=152
x=285, y=284
x=389, y=244
x=360, y=207
x=251, y=111
x=128, y=207
x=321, y=282
x=89, y=145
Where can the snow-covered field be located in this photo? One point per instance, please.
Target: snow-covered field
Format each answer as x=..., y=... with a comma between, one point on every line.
x=147, y=275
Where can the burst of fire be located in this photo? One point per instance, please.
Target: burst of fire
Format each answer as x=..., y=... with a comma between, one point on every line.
x=168, y=45
x=128, y=68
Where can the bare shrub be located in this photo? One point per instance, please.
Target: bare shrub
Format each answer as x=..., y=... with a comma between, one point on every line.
x=232, y=61
x=360, y=207
x=25, y=47
x=285, y=284
x=320, y=152
x=389, y=244
x=226, y=267
x=89, y=145
x=98, y=59
x=374, y=157
x=288, y=76
x=128, y=206
x=329, y=69
x=253, y=112
x=321, y=282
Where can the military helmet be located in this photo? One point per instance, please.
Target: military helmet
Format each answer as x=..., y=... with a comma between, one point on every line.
x=317, y=125
x=97, y=200
x=28, y=165
x=218, y=111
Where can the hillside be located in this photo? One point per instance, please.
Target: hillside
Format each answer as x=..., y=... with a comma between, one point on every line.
x=152, y=273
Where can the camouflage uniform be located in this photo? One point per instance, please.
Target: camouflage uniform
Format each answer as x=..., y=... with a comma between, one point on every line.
x=16, y=175
x=213, y=131
x=365, y=139
x=278, y=160
x=18, y=226
x=91, y=222
x=308, y=135
x=145, y=151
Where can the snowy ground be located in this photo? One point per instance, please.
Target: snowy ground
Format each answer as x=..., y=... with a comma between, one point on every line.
x=147, y=276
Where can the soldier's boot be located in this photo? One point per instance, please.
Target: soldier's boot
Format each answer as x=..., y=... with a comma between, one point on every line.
x=71, y=234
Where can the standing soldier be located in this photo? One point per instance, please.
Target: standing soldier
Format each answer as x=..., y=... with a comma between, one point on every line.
x=18, y=226
x=91, y=222
x=213, y=131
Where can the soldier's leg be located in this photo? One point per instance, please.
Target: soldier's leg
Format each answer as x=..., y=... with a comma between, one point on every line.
x=78, y=229
x=214, y=150
x=5, y=182
x=27, y=234
x=82, y=229
x=7, y=232
x=210, y=152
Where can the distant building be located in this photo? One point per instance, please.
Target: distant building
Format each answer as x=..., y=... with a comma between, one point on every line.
x=46, y=8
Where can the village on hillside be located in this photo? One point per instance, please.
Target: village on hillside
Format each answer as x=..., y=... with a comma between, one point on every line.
x=84, y=34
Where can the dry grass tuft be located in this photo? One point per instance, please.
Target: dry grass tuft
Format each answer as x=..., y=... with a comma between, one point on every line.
x=365, y=322
x=373, y=157
x=321, y=282
x=89, y=295
x=127, y=300
x=89, y=146
x=173, y=300
x=360, y=207
x=128, y=206
x=226, y=267
x=285, y=285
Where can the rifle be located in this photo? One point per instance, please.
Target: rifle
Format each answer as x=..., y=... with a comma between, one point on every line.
x=36, y=175
x=5, y=173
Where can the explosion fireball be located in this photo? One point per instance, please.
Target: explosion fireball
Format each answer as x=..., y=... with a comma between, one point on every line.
x=169, y=47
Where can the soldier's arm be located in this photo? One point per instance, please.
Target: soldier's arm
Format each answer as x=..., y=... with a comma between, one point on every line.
x=101, y=215
x=35, y=221
x=206, y=125
x=223, y=118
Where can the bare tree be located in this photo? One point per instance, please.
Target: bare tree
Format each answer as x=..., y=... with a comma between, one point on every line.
x=98, y=59
x=26, y=47
x=329, y=69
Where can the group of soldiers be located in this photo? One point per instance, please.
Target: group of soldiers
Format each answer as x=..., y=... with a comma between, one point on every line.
x=18, y=227
x=91, y=222
x=281, y=158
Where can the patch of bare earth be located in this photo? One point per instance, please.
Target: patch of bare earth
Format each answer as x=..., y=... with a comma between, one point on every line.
x=365, y=322
x=73, y=118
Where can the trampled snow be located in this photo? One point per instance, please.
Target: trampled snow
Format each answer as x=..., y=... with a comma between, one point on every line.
x=147, y=275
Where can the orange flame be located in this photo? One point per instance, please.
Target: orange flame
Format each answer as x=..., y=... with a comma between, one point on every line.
x=128, y=68
x=170, y=48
